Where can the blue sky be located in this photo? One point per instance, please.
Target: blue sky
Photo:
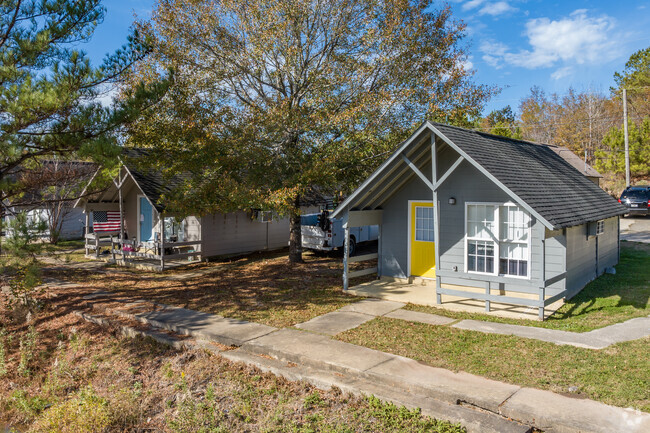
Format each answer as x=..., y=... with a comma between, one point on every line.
x=514, y=44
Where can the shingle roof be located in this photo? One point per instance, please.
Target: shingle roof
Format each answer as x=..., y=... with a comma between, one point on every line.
x=537, y=175
x=152, y=183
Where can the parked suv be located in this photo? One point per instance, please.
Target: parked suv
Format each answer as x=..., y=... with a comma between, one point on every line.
x=636, y=199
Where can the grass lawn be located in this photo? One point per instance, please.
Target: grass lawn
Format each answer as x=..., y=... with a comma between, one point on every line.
x=607, y=300
x=618, y=375
x=62, y=374
x=260, y=287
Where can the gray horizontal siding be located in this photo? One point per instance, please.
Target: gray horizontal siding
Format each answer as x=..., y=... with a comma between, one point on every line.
x=582, y=252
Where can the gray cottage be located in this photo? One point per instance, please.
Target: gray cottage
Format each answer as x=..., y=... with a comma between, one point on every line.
x=485, y=217
x=130, y=222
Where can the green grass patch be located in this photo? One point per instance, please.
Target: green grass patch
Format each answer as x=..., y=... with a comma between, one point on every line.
x=618, y=375
x=605, y=301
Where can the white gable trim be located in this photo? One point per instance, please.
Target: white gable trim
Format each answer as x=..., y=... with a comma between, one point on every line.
x=397, y=154
x=507, y=190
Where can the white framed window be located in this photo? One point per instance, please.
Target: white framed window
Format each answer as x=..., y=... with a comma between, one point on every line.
x=600, y=227
x=495, y=230
x=513, y=238
x=424, y=224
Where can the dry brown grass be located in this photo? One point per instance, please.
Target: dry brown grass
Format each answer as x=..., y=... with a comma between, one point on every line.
x=261, y=287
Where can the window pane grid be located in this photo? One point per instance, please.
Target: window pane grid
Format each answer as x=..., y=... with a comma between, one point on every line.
x=424, y=224
x=513, y=224
x=480, y=256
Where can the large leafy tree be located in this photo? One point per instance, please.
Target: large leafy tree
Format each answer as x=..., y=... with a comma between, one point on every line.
x=50, y=93
x=276, y=97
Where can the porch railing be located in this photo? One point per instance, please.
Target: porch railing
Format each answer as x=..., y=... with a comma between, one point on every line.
x=541, y=291
x=347, y=274
x=154, y=250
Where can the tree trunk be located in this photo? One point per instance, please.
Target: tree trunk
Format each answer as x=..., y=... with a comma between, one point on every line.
x=295, y=234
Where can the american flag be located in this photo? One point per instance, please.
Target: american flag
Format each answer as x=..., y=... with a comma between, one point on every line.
x=106, y=221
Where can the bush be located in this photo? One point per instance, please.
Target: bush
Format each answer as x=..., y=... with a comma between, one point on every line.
x=85, y=412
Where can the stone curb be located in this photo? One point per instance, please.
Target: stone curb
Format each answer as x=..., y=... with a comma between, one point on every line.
x=403, y=376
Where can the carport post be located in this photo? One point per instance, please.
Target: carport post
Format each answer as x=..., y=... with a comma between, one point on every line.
x=346, y=256
x=436, y=214
x=86, y=229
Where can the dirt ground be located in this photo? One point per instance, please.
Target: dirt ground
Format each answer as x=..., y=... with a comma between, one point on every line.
x=59, y=373
x=261, y=287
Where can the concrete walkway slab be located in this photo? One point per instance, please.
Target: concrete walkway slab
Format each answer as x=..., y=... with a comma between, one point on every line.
x=416, y=316
x=209, y=326
x=335, y=322
x=373, y=306
x=549, y=335
x=629, y=330
x=444, y=384
x=553, y=412
x=291, y=345
x=423, y=294
x=632, y=329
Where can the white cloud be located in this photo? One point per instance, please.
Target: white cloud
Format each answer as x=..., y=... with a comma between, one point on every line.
x=493, y=53
x=472, y=4
x=562, y=72
x=495, y=9
x=576, y=39
x=467, y=64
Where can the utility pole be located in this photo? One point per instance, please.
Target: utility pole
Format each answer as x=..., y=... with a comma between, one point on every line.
x=627, y=141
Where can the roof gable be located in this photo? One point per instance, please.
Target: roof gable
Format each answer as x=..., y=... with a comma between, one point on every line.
x=532, y=174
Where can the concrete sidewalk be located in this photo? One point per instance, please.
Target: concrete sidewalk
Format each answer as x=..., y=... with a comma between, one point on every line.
x=481, y=404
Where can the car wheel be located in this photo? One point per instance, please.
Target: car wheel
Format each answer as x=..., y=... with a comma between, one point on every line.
x=353, y=246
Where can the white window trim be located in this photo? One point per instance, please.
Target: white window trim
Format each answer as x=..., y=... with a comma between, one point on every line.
x=416, y=223
x=600, y=224
x=497, y=241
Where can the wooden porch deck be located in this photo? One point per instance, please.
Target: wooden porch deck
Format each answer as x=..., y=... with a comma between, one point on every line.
x=423, y=292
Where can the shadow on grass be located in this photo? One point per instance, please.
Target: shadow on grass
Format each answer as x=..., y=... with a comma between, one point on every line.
x=261, y=287
x=629, y=287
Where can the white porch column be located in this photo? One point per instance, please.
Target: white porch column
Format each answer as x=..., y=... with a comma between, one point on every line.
x=346, y=256
x=436, y=214
x=86, y=228
x=119, y=192
x=161, y=238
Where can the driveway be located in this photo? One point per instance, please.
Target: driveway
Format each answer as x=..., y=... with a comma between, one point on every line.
x=635, y=229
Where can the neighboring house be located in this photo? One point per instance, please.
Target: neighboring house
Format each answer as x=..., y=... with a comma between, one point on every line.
x=72, y=226
x=577, y=163
x=133, y=206
x=513, y=222
x=49, y=192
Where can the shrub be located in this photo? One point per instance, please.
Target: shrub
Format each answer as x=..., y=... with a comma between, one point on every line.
x=27, y=347
x=3, y=353
x=85, y=412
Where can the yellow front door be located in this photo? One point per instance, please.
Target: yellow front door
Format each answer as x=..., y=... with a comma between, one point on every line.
x=421, y=232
